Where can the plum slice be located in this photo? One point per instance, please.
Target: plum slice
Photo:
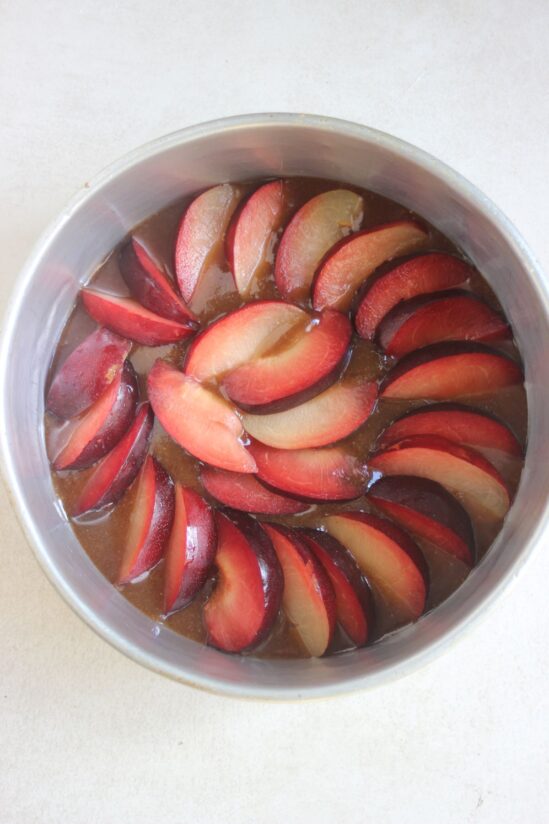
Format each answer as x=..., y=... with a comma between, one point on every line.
x=242, y=608
x=91, y=436
x=197, y=419
x=191, y=549
x=117, y=470
x=428, y=510
x=391, y=560
x=451, y=370
x=86, y=373
x=150, y=522
x=130, y=319
x=149, y=284
x=461, y=470
x=252, y=233
x=456, y=422
x=309, y=363
x=242, y=336
x=244, y=492
x=353, y=260
x=308, y=599
x=442, y=316
x=431, y=272
x=201, y=234
x=328, y=474
x=354, y=602
x=313, y=230
x=326, y=418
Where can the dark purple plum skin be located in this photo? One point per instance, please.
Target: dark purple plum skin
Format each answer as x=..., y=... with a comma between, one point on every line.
x=86, y=373
x=103, y=489
x=150, y=286
x=114, y=426
x=346, y=564
x=430, y=500
x=270, y=570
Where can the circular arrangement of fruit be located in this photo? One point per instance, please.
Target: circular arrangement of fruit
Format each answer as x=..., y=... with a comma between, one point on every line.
x=266, y=401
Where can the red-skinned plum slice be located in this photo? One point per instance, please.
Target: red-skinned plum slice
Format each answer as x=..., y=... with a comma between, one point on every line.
x=245, y=493
x=149, y=284
x=313, y=230
x=390, y=559
x=241, y=336
x=427, y=510
x=328, y=474
x=252, y=233
x=87, y=372
x=291, y=375
x=308, y=598
x=420, y=275
x=456, y=422
x=354, y=259
x=324, y=419
x=117, y=470
x=451, y=370
x=241, y=610
x=460, y=470
x=197, y=419
x=354, y=603
x=131, y=320
x=201, y=234
x=443, y=316
x=191, y=549
x=99, y=429
x=150, y=522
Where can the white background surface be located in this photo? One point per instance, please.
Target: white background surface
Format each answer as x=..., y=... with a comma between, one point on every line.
x=87, y=736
